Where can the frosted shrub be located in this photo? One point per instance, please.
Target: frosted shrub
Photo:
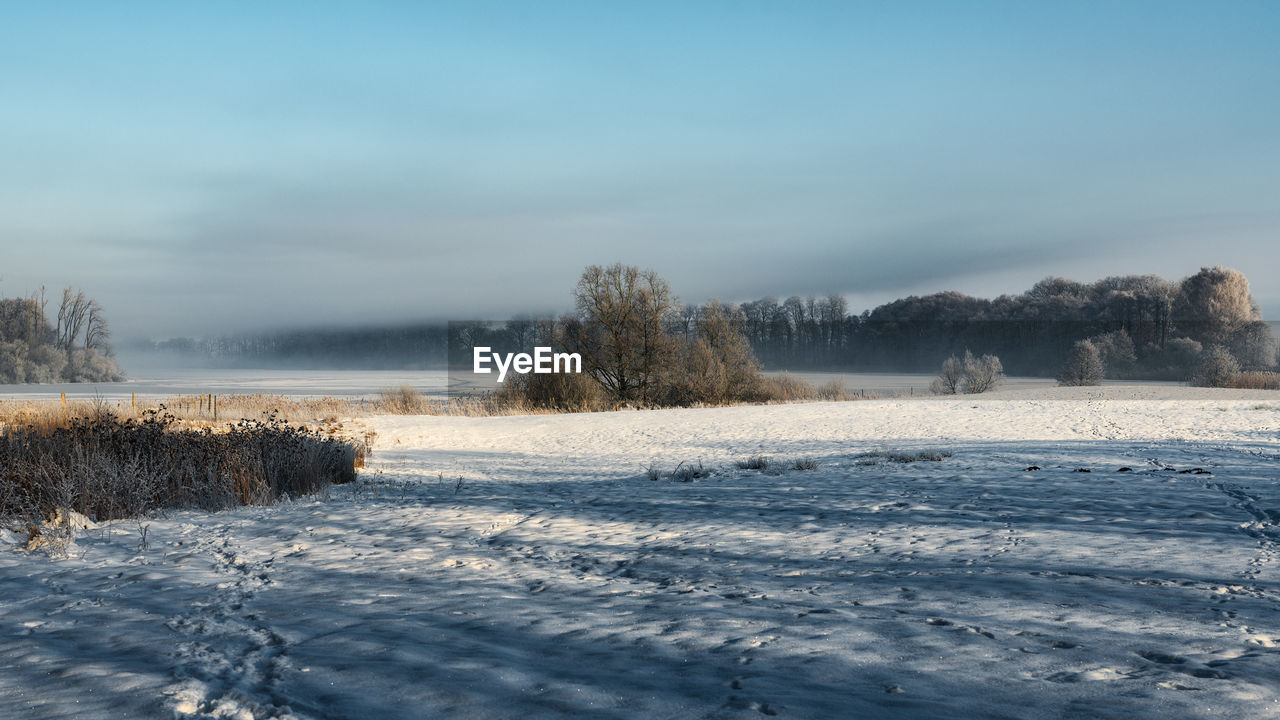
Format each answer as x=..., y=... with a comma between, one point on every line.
x=1217, y=369
x=1084, y=366
x=107, y=468
x=948, y=381
x=981, y=374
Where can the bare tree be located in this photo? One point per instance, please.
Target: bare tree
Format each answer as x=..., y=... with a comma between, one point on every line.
x=96, y=331
x=73, y=313
x=620, y=329
x=981, y=374
x=686, y=321
x=948, y=381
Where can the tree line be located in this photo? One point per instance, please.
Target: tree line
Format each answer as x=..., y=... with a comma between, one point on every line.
x=1143, y=326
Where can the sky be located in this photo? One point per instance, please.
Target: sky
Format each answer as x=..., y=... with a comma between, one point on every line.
x=210, y=167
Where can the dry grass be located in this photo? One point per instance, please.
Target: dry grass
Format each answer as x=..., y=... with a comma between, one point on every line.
x=803, y=464
x=683, y=472
x=187, y=411
x=328, y=413
x=324, y=413
x=784, y=388
x=403, y=400
x=757, y=462
x=1256, y=380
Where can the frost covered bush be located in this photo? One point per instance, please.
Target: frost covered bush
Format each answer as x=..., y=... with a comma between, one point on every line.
x=89, y=366
x=948, y=380
x=968, y=375
x=105, y=468
x=1217, y=369
x=1084, y=367
x=981, y=374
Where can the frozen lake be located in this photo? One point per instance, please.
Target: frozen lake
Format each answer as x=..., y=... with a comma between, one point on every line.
x=367, y=383
x=313, y=383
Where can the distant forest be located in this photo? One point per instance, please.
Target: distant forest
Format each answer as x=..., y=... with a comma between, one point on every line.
x=1145, y=327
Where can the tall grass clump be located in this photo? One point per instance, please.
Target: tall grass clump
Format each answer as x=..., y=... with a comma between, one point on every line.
x=403, y=400
x=903, y=456
x=105, y=467
x=1256, y=380
x=784, y=388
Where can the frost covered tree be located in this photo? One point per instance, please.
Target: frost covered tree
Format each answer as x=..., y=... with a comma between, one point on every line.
x=1254, y=345
x=1214, y=304
x=948, y=380
x=76, y=350
x=981, y=374
x=1084, y=366
x=1115, y=349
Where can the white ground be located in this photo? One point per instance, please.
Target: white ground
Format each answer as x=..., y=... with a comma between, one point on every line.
x=556, y=580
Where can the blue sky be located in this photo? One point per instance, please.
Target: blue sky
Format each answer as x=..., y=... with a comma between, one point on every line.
x=203, y=167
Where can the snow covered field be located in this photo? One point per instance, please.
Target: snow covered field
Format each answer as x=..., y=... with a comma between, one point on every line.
x=525, y=567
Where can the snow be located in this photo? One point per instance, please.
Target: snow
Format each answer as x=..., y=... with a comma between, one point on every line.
x=525, y=567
